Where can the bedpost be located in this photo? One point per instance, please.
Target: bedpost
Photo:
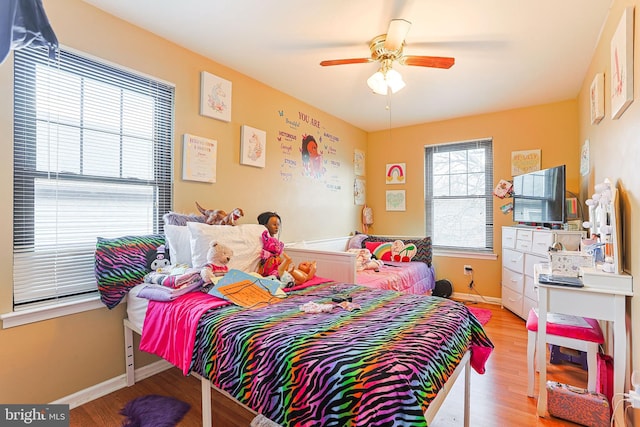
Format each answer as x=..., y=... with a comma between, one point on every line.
x=206, y=401
x=128, y=354
x=467, y=395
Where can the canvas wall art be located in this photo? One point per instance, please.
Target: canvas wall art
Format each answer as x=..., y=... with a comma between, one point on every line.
x=215, y=97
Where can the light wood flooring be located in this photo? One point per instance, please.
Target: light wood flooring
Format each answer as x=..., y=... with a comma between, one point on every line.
x=498, y=398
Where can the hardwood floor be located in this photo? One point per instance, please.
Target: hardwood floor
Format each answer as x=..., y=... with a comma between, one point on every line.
x=498, y=398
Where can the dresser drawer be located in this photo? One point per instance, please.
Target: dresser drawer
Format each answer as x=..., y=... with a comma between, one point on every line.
x=513, y=260
x=512, y=300
x=542, y=240
x=530, y=260
x=530, y=288
x=524, y=234
x=512, y=280
x=508, y=237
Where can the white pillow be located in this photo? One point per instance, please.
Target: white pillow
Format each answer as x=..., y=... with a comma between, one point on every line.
x=178, y=237
x=244, y=239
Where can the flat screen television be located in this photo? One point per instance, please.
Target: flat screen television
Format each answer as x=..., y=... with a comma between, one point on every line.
x=539, y=197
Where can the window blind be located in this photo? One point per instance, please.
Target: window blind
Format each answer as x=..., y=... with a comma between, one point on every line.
x=92, y=158
x=459, y=195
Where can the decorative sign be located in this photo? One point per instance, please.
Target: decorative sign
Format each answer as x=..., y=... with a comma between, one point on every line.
x=525, y=161
x=199, y=159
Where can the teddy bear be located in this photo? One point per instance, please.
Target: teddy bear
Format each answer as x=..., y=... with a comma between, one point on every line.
x=218, y=256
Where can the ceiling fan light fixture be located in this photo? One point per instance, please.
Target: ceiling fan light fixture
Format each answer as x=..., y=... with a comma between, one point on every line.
x=394, y=80
x=380, y=82
x=377, y=83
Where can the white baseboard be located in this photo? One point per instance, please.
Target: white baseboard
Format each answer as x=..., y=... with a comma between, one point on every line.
x=94, y=392
x=473, y=297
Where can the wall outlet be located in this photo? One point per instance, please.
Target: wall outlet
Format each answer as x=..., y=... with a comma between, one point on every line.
x=468, y=270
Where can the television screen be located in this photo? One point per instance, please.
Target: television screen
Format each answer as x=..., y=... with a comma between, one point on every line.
x=539, y=197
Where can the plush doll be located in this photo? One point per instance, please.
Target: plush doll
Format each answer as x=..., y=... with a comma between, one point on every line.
x=158, y=259
x=364, y=260
x=271, y=256
x=218, y=256
x=220, y=217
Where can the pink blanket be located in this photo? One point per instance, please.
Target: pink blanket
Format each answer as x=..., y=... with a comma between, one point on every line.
x=169, y=327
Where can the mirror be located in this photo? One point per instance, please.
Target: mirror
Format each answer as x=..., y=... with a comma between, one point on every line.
x=604, y=227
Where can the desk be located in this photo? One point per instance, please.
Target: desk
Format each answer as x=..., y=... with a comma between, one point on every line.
x=594, y=302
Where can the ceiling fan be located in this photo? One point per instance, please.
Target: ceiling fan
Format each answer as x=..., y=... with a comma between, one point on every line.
x=387, y=49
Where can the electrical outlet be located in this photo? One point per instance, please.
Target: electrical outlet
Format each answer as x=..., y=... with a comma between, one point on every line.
x=468, y=270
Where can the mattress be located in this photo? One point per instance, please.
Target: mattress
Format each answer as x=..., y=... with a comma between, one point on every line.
x=137, y=306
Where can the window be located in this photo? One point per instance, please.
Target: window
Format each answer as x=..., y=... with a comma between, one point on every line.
x=92, y=157
x=458, y=196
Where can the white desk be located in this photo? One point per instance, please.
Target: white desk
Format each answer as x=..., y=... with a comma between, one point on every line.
x=597, y=303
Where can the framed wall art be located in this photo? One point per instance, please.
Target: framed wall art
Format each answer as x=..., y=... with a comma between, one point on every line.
x=359, y=191
x=396, y=200
x=525, y=161
x=199, y=158
x=597, y=98
x=622, y=65
x=396, y=173
x=215, y=97
x=358, y=162
x=253, y=146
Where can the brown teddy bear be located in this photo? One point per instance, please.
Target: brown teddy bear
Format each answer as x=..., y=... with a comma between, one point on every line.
x=218, y=256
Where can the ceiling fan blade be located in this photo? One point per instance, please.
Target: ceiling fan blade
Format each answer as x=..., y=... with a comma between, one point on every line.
x=345, y=61
x=398, y=29
x=428, y=61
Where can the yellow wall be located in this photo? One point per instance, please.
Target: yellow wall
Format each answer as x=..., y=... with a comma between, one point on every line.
x=551, y=128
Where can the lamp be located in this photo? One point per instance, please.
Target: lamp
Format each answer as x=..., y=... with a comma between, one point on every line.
x=384, y=79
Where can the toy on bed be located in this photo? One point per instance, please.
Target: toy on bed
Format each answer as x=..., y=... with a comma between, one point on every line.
x=271, y=257
x=305, y=271
x=364, y=260
x=218, y=257
x=220, y=217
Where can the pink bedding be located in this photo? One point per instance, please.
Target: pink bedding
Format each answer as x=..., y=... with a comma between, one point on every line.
x=408, y=277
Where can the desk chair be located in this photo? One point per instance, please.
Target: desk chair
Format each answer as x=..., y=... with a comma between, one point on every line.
x=575, y=337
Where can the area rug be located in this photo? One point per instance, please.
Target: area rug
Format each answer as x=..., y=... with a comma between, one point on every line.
x=154, y=411
x=482, y=314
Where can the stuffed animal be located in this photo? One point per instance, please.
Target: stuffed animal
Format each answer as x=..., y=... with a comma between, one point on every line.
x=218, y=256
x=232, y=217
x=220, y=217
x=158, y=260
x=364, y=260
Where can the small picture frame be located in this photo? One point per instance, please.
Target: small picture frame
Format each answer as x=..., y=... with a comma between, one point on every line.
x=597, y=99
x=215, y=97
x=396, y=173
x=253, y=146
x=199, y=156
x=621, y=76
x=396, y=200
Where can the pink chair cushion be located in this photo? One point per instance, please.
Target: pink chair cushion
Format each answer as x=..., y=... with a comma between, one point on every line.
x=593, y=334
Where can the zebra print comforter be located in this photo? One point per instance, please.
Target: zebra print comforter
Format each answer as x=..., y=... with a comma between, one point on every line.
x=378, y=366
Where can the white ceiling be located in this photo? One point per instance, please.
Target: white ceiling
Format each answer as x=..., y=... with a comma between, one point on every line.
x=509, y=53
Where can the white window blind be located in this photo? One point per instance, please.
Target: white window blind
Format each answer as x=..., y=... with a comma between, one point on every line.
x=92, y=158
x=459, y=195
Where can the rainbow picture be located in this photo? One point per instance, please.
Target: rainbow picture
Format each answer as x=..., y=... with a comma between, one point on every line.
x=396, y=173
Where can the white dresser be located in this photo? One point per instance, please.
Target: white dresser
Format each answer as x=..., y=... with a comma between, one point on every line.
x=522, y=248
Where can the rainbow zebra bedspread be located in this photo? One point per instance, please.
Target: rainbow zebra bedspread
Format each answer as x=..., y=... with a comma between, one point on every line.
x=378, y=366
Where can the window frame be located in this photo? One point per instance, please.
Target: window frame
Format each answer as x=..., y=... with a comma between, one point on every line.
x=487, y=145
x=26, y=173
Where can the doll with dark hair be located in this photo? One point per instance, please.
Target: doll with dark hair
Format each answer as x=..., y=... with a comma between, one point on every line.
x=272, y=248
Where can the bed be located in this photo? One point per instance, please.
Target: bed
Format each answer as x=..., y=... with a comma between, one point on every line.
x=390, y=362
x=415, y=275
